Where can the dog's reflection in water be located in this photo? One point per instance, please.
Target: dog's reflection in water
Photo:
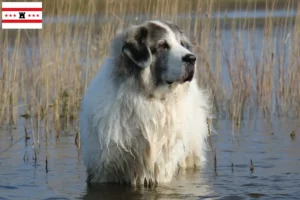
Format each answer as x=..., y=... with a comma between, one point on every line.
x=97, y=191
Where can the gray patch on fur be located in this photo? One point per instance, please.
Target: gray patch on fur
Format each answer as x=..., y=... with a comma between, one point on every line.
x=136, y=42
x=179, y=34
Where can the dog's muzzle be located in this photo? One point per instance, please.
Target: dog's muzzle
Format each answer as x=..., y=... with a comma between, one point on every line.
x=189, y=63
x=189, y=68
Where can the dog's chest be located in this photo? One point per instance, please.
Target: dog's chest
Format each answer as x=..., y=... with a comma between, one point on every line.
x=154, y=118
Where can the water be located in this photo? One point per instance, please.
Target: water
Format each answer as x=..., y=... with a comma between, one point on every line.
x=274, y=153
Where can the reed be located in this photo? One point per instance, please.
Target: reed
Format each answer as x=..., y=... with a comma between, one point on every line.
x=44, y=73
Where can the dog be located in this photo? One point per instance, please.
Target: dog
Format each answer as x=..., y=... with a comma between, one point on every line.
x=143, y=116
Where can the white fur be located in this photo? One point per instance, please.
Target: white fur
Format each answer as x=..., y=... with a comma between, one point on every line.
x=175, y=63
x=129, y=137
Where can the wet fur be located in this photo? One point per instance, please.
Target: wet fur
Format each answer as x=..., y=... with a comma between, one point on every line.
x=134, y=128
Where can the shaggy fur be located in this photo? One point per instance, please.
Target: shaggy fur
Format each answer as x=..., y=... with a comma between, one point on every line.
x=141, y=120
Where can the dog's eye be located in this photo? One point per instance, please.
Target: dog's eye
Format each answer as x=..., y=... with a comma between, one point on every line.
x=181, y=43
x=163, y=45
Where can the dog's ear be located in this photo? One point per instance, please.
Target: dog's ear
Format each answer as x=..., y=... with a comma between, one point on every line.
x=136, y=48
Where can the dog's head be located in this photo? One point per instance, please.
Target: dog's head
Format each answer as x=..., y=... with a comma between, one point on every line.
x=162, y=49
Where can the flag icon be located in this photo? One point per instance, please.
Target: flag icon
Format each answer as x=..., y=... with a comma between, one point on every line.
x=22, y=15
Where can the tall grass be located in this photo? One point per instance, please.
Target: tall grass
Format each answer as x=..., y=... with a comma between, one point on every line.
x=44, y=73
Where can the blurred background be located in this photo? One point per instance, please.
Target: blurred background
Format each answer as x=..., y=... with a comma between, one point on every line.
x=248, y=54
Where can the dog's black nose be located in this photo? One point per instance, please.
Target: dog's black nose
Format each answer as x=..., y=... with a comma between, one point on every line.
x=189, y=58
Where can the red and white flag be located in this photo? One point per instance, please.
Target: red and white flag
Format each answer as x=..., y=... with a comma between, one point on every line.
x=22, y=15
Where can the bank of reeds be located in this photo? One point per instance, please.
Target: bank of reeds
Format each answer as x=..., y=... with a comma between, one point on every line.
x=251, y=66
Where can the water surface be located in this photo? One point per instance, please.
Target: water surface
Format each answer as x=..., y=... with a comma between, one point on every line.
x=274, y=153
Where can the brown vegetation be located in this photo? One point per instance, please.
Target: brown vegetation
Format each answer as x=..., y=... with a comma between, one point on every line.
x=44, y=73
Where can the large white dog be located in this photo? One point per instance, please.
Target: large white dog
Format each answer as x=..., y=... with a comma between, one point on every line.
x=144, y=116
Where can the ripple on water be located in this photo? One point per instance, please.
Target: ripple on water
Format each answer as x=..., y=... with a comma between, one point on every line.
x=232, y=197
x=8, y=187
x=241, y=166
x=254, y=185
x=256, y=195
x=267, y=166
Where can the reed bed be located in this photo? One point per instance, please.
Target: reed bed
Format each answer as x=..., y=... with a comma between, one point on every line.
x=44, y=73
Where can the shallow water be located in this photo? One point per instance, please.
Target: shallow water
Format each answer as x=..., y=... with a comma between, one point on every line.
x=275, y=155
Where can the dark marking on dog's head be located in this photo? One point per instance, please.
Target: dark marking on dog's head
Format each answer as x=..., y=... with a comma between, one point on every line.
x=156, y=32
x=173, y=27
x=136, y=48
x=159, y=67
x=179, y=33
x=159, y=47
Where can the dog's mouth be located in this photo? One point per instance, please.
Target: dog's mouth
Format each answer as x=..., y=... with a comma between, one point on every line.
x=187, y=77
